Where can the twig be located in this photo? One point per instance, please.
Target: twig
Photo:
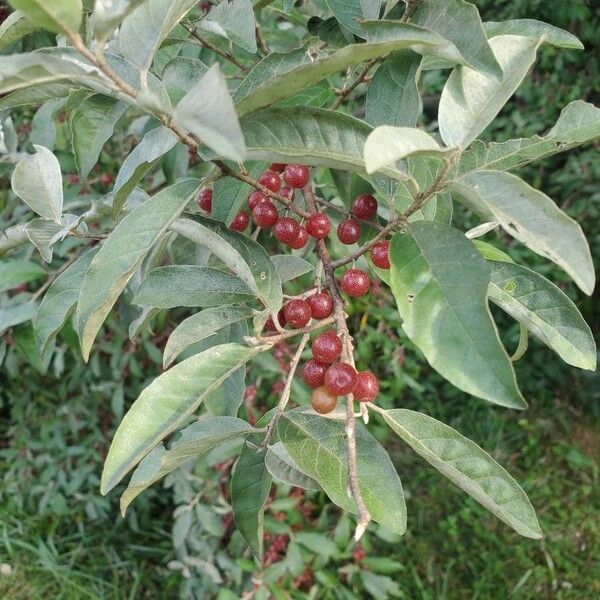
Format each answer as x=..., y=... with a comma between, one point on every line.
x=346, y=91
x=286, y=334
x=411, y=5
x=260, y=38
x=52, y=277
x=344, y=211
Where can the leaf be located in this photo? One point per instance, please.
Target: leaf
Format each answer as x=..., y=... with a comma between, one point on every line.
x=58, y=16
x=459, y=22
x=17, y=272
x=545, y=311
x=108, y=14
x=236, y=20
x=15, y=26
x=59, y=302
x=578, y=123
x=245, y=257
x=180, y=75
x=122, y=253
x=193, y=441
x=202, y=325
x=191, y=285
x=318, y=446
x=154, y=145
x=393, y=96
x=386, y=145
x=166, y=404
x=16, y=314
x=207, y=111
x=92, y=125
x=440, y=284
x=470, y=100
x=283, y=468
x=534, y=29
x=350, y=13
x=290, y=267
x=468, y=466
x=37, y=180
x=531, y=217
x=44, y=233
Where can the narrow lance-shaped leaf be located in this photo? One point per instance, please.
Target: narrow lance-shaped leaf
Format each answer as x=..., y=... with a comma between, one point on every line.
x=122, y=253
x=283, y=468
x=468, y=466
x=534, y=29
x=440, y=284
x=58, y=16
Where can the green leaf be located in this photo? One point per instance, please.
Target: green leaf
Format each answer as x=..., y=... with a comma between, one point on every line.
x=92, y=125
x=108, y=14
x=468, y=466
x=490, y=252
x=207, y=111
x=37, y=180
x=166, y=404
x=289, y=266
x=16, y=314
x=440, y=283
x=58, y=16
x=245, y=257
x=318, y=446
x=350, y=13
x=393, y=96
x=283, y=468
x=180, y=75
x=530, y=217
x=470, y=99
x=535, y=29
x=191, y=285
x=459, y=22
x=17, y=272
x=44, y=233
x=122, y=253
x=59, y=302
x=545, y=311
x=15, y=27
x=235, y=19
x=193, y=441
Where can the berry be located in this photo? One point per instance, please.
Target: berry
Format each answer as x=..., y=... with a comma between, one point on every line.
x=205, y=200
x=277, y=167
x=321, y=305
x=297, y=313
x=296, y=176
x=318, y=226
x=73, y=179
x=322, y=401
x=270, y=180
x=301, y=239
x=313, y=373
x=287, y=192
x=255, y=198
x=327, y=347
x=265, y=214
x=286, y=230
x=355, y=283
x=106, y=179
x=348, y=232
x=367, y=387
x=240, y=222
x=340, y=379
x=380, y=254
x=364, y=206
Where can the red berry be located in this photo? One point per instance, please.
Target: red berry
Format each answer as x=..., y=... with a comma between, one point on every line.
x=380, y=254
x=301, y=239
x=73, y=179
x=297, y=313
x=318, y=226
x=286, y=230
x=106, y=179
x=327, y=347
x=205, y=200
x=323, y=401
x=348, y=232
x=313, y=373
x=255, y=198
x=270, y=180
x=240, y=222
x=355, y=283
x=321, y=305
x=277, y=167
x=287, y=192
x=296, y=176
x=340, y=379
x=265, y=214
x=364, y=206
x=367, y=387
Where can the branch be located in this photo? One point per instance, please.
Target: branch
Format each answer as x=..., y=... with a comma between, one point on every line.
x=348, y=214
x=346, y=91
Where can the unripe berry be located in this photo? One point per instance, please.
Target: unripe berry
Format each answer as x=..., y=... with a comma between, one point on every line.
x=286, y=230
x=296, y=176
x=367, y=387
x=355, y=283
x=270, y=180
x=277, y=167
x=240, y=222
x=318, y=226
x=340, y=379
x=297, y=313
x=301, y=239
x=327, y=347
x=364, y=206
x=313, y=373
x=322, y=401
x=380, y=254
x=255, y=198
x=348, y=232
x=205, y=200
x=321, y=305
x=265, y=214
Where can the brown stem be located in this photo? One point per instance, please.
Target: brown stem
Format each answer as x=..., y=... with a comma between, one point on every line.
x=260, y=38
x=286, y=334
x=346, y=91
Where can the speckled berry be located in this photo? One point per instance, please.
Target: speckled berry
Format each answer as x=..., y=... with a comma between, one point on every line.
x=380, y=254
x=318, y=226
x=321, y=305
x=255, y=198
x=327, y=347
x=240, y=222
x=297, y=313
x=286, y=230
x=364, y=206
x=205, y=200
x=296, y=176
x=367, y=387
x=340, y=379
x=348, y=232
x=355, y=283
x=313, y=373
x=323, y=401
x=265, y=214
x=301, y=239
x=270, y=180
